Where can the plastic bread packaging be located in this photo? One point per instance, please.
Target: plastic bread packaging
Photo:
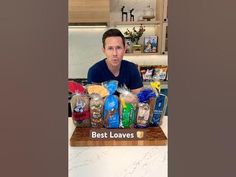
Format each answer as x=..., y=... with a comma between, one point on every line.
x=74, y=87
x=96, y=110
x=155, y=84
x=79, y=104
x=159, y=110
x=80, y=110
x=111, y=106
x=97, y=89
x=146, y=98
x=128, y=107
x=96, y=92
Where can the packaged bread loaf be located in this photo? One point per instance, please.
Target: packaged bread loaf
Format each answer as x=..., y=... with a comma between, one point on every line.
x=146, y=105
x=159, y=110
x=96, y=110
x=111, y=106
x=79, y=104
x=128, y=108
x=80, y=110
x=98, y=89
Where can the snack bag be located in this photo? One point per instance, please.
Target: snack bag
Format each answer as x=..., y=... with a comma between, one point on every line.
x=96, y=110
x=159, y=110
x=128, y=108
x=80, y=110
x=146, y=105
x=111, y=106
x=161, y=72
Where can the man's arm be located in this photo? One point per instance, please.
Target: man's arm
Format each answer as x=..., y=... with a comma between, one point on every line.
x=136, y=91
x=136, y=80
x=93, y=76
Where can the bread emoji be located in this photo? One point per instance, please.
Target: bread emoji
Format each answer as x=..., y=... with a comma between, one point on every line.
x=140, y=134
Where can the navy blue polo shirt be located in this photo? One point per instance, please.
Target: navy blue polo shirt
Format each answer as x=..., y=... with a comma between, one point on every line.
x=129, y=74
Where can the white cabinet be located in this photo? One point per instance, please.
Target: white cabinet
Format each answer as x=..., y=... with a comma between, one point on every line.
x=89, y=11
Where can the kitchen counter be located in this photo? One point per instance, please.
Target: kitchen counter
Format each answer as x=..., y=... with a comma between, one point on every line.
x=118, y=161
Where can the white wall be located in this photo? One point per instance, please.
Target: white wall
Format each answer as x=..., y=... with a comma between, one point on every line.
x=85, y=46
x=85, y=49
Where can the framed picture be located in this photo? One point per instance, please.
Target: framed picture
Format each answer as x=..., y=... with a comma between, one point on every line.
x=129, y=46
x=150, y=44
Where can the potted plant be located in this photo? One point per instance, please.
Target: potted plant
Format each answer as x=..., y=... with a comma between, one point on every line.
x=135, y=36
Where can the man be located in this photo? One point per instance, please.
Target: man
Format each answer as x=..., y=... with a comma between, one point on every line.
x=113, y=67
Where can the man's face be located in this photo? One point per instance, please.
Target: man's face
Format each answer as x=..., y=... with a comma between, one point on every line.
x=114, y=50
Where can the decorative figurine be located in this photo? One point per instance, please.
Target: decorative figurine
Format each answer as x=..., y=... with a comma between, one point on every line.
x=124, y=13
x=148, y=13
x=131, y=15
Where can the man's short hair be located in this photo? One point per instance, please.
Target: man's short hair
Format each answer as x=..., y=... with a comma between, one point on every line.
x=112, y=33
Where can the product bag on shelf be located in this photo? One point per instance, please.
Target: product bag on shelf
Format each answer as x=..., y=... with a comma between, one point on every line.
x=146, y=104
x=111, y=106
x=161, y=72
x=79, y=105
x=96, y=110
x=128, y=107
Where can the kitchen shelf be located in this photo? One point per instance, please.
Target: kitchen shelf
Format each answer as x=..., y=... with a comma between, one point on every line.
x=119, y=23
x=140, y=54
x=154, y=27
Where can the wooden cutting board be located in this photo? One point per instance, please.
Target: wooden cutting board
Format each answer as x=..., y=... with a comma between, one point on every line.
x=154, y=136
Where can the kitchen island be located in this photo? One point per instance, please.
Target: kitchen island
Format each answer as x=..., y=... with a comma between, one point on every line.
x=118, y=161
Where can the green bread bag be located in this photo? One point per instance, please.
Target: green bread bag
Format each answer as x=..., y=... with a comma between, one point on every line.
x=128, y=108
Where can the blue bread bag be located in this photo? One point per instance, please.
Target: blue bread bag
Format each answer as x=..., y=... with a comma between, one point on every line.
x=111, y=106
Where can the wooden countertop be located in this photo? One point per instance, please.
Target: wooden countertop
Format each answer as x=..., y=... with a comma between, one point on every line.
x=153, y=136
